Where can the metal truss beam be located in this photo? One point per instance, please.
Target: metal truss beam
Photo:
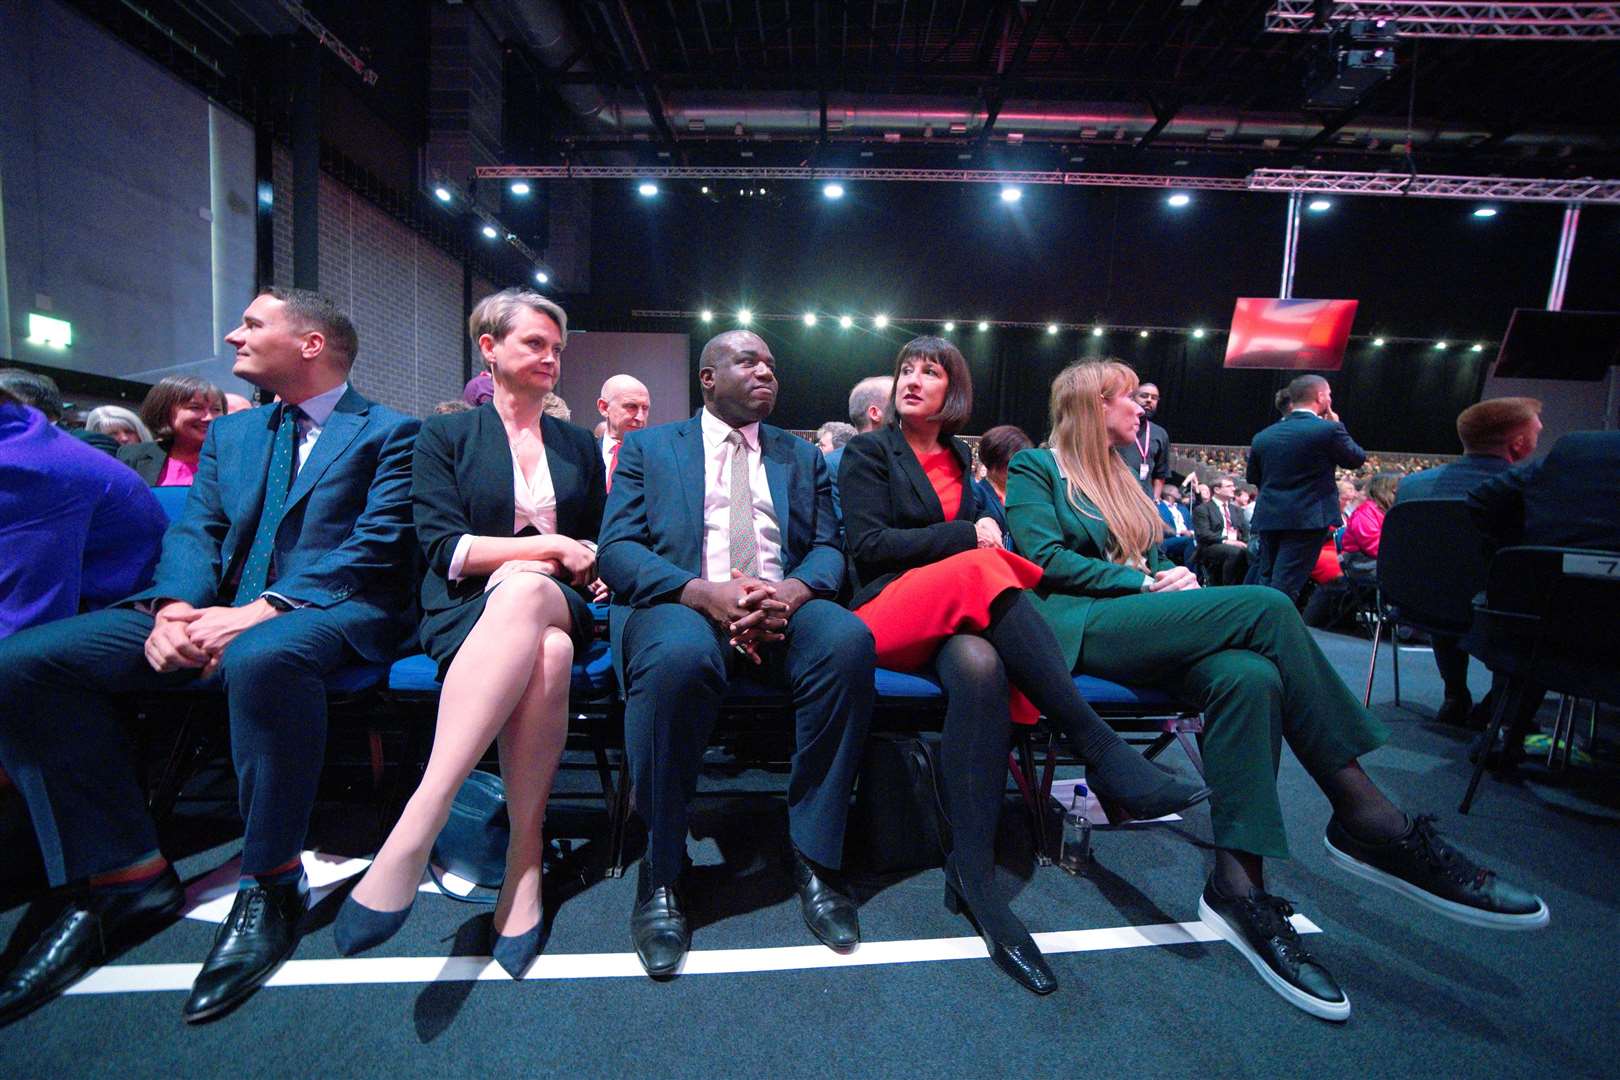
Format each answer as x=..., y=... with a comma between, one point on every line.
x=1419, y=19
x=330, y=40
x=1510, y=189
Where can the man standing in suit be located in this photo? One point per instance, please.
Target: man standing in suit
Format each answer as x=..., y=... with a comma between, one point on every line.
x=1495, y=435
x=1223, y=538
x=1148, y=454
x=286, y=566
x=867, y=401
x=1292, y=463
x=721, y=548
x=625, y=406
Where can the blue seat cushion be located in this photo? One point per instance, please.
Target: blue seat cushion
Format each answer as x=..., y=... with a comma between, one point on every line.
x=907, y=684
x=1103, y=692
x=593, y=673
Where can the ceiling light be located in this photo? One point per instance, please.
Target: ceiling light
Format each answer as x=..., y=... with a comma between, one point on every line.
x=880, y=321
x=519, y=187
x=1179, y=199
x=706, y=315
x=542, y=277
x=1317, y=206
x=1011, y=194
x=950, y=328
x=489, y=231
x=1096, y=331
x=1378, y=343
x=648, y=189
x=845, y=322
x=1051, y=328
x=1141, y=333
x=1442, y=344
x=1485, y=211
x=441, y=193
x=705, y=189
x=1477, y=348
x=744, y=317
x=809, y=318
x=1198, y=331
x=983, y=325
x=833, y=191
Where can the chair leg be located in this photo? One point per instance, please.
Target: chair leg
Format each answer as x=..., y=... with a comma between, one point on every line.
x=1506, y=701
x=1189, y=744
x=1395, y=657
x=1158, y=745
x=1372, y=666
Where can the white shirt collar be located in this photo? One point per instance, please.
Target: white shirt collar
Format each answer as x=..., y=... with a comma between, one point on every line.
x=715, y=431
x=319, y=408
x=1307, y=412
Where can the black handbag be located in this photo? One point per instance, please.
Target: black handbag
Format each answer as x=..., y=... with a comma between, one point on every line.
x=899, y=815
x=472, y=844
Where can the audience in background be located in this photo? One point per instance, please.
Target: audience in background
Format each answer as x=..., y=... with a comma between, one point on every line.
x=833, y=434
x=868, y=402
x=996, y=449
x=625, y=405
x=120, y=423
x=1495, y=436
x=40, y=391
x=235, y=403
x=79, y=530
x=1358, y=549
x=178, y=410
x=479, y=389
x=444, y=408
x=1222, y=535
x=555, y=406
x=1179, y=535
x=1148, y=454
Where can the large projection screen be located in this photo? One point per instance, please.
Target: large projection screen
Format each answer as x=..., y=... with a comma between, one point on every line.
x=126, y=205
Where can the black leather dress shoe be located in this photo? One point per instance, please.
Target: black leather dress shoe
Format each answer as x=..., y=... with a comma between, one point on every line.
x=84, y=935
x=828, y=913
x=260, y=932
x=1455, y=709
x=658, y=925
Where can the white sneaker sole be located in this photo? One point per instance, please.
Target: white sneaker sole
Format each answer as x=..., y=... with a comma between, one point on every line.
x=1493, y=920
x=1337, y=1011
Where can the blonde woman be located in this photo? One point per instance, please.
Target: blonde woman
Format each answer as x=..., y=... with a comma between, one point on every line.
x=1121, y=611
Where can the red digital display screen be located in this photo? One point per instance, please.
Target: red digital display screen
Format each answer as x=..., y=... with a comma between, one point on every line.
x=1293, y=335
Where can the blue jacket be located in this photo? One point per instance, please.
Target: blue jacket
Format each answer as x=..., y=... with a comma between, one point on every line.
x=651, y=542
x=1570, y=498
x=345, y=542
x=1452, y=481
x=1291, y=462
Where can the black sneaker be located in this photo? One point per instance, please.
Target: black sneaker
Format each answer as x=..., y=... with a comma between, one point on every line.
x=1420, y=864
x=1257, y=926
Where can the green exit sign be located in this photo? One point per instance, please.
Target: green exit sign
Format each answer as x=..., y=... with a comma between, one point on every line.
x=49, y=332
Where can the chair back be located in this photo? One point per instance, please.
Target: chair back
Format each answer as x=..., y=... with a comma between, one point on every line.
x=1431, y=563
x=1568, y=599
x=173, y=500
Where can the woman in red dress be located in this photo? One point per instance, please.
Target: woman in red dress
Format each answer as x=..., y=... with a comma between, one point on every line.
x=935, y=586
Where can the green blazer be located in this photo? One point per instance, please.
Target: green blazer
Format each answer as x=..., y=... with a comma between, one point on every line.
x=1070, y=546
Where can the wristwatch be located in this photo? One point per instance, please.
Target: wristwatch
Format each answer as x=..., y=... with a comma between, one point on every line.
x=280, y=603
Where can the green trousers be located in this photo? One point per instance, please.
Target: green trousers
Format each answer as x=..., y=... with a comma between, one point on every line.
x=1243, y=656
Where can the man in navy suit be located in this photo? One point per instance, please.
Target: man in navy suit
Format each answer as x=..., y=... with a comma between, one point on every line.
x=287, y=565
x=1496, y=435
x=1292, y=463
x=722, y=550
x=867, y=402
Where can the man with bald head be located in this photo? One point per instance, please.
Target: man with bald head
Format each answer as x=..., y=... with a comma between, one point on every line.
x=722, y=550
x=867, y=402
x=625, y=405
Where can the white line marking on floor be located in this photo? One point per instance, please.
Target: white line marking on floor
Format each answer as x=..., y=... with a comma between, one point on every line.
x=147, y=978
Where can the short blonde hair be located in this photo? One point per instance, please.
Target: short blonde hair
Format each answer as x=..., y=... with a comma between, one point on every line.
x=493, y=315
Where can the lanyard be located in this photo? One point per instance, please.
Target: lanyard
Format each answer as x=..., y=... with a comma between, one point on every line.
x=1146, y=439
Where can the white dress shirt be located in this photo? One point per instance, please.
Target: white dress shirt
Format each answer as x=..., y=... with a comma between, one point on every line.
x=608, y=443
x=534, y=502
x=317, y=411
x=717, y=455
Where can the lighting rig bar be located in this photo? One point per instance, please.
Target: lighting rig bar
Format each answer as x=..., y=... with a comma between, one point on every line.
x=1416, y=19
x=330, y=40
x=1282, y=180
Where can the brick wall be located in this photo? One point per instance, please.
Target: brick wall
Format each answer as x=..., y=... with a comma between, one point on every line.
x=403, y=293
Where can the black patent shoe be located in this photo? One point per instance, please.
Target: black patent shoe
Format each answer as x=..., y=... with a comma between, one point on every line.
x=259, y=934
x=1258, y=926
x=658, y=926
x=828, y=913
x=1170, y=797
x=86, y=934
x=1013, y=952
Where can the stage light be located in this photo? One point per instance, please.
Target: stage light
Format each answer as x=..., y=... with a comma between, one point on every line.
x=1485, y=212
x=442, y=193
x=983, y=325
x=542, y=277
x=833, y=191
x=1011, y=194
x=1179, y=199
x=1198, y=331
x=1442, y=344
x=950, y=328
x=705, y=189
x=648, y=189
x=744, y=317
x=880, y=321
x=519, y=187
x=845, y=322
x=1378, y=343
x=489, y=231
x=706, y=315
x=1477, y=348
x=1142, y=333
x=1317, y=206
x=1096, y=331
x=809, y=318
x=1051, y=328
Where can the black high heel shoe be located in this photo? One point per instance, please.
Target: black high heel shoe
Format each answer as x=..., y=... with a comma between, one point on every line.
x=1021, y=959
x=1170, y=795
x=359, y=928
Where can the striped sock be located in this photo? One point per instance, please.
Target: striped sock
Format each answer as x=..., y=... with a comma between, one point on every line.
x=285, y=874
x=136, y=877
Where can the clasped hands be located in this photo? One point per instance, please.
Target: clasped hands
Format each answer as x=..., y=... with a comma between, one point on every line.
x=568, y=560
x=185, y=637
x=753, y=612
x=1175, y=579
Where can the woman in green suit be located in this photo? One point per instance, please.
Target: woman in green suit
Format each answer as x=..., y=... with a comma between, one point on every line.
x=1242, y=655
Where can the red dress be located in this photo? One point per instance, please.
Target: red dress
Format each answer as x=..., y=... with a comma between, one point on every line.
x=914, y=614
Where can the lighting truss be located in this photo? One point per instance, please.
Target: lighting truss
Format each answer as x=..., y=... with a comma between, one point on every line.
x=962, y=321
x=1416, y=19
x=1284, y=180
x=330, y=40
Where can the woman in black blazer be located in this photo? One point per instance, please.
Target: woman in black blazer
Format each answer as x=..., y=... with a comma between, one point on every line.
x=506, y=500
x=937, y=588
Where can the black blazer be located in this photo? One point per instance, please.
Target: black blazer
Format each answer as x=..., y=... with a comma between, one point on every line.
x=461, y=482
x=1570, y=498
x=893, y=521
x=1291, y=462
x=1208, y=527
x=146, y=458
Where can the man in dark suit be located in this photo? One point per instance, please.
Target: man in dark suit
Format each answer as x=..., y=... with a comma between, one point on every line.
x=867, y=402
x=625, y=406
x=1495, y=435
x=721, y=548
x=1179, y=539
x=1292, y=463
x=286, y=565
x=1223, y=538
x=1148, y=455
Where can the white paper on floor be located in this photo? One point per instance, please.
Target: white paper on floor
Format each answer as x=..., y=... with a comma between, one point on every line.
x=209, y=898
x=1063, y=792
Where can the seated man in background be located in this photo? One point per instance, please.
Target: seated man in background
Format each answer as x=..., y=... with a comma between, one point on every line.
x=1495, y=436
x=1223, y=538
x=78, y=529
x=833, y=434
x=40, y=391
x=266, y=585
x=625, y=405
x=867, y=402
x=1179, y=536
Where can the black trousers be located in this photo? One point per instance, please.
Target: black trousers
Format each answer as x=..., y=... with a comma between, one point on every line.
x=678, y=667
x=1226, y=564
x=1286, y=559
x=62, y=735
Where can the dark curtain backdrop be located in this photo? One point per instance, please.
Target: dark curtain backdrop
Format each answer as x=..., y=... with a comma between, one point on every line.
x=1420, y=268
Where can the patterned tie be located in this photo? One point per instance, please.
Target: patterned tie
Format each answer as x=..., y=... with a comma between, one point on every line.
x=256, y=570
x=744, y=547
x=613, y=463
